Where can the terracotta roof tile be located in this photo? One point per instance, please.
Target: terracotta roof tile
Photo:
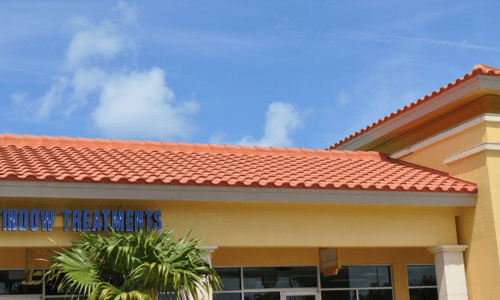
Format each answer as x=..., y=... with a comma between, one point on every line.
x=63, y=159
x=477, y=70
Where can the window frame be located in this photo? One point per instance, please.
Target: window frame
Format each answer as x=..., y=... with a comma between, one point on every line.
x=41, y=296
x=420, y=286
x=317, y=289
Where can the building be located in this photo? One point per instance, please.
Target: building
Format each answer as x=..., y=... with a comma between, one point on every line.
x=409, y=203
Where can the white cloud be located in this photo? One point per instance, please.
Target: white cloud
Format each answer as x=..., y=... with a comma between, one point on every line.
x=282, y=120
x=141, y=105
x=218, y=138
x=127, y=11
x=343, y=98
x=127, y=104
x=94, y=43
x=52, y=98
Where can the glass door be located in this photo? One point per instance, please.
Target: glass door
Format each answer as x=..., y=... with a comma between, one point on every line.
x=299, y=295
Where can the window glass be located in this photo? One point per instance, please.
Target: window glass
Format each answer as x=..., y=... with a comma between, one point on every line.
x=358, y=277
x=424, y=294
x=231, y=278
x=227, y=296
x=301, y=297
x=375, y=294
x=338, y=295
x=262, y=296
x=11, y=283
x=279, y=277
x=421, y=275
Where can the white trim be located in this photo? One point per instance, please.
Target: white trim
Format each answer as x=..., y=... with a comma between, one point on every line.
x=209, y=248
x=446, y=134
x=450, y=96
x=471, y=151
x=56, y=190
x=448, y=248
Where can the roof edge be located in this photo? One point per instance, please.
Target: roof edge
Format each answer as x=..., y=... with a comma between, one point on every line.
x=479, y=69
x=56, y=190
x=20, y=141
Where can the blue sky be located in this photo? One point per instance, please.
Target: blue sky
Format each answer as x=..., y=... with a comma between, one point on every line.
x=273, y=73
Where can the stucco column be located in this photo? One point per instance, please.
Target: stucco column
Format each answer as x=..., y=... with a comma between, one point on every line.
x=202, y=295
x=450, y=271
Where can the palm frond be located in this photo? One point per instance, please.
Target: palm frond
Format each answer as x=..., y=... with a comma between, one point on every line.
x=106, y=291
x=73, y=271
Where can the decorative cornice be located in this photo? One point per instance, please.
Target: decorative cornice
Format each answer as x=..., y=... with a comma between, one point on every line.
x=447, y=133
x=448, y=248
x=471, y=151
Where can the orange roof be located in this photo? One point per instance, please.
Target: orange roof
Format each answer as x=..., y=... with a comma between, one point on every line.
x=62, y=159
x=477, y=70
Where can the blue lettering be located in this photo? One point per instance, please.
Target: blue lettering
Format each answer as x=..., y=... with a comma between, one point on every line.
x=5, y=217
x=157, y=216
x=77, y=222
x=12, y=219
x=128, y=220
x=86, y=220
x=65, y=212
x=96, y=225
x=148, y=214
x=34, y=220
x=47, y=219
x=105, y=214
x=23, y=220
x=117, y=220
x=139, y=217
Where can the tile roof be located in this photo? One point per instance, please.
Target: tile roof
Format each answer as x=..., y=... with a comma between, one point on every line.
x=62, y=159
x=477, y=70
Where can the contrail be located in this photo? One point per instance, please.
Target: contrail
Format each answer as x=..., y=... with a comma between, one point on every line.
x=411, y=40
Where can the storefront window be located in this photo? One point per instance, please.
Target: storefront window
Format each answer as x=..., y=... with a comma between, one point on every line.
x=422, y=282
x=358, y=277
x=279, y=277
x=358, y=283
x=262, y=296
x=231, y=278
x=270, y=283
x=12, y=283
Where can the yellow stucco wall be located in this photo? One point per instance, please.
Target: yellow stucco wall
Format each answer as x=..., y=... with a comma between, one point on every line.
x=268, y=224
x=479, y=227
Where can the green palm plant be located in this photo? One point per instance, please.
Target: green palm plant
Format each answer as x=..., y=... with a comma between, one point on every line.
x=134, y=266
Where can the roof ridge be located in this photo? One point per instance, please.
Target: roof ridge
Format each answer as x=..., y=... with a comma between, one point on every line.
x=478, y=69
x=33, y=141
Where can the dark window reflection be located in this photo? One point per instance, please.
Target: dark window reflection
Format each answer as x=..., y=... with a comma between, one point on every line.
x=375, y=294
x=167, y=296
x=421, y=275
x=262, y=296
x=227, y=296
x=424, y=294
x=231, y=280
x=11, y=283
x=304, y=297
x=358, y=276
x=338, y=295
x=279, y=277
